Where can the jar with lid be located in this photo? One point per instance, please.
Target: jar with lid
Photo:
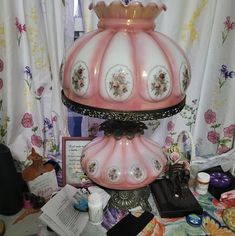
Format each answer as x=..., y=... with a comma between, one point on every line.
x=202, y=182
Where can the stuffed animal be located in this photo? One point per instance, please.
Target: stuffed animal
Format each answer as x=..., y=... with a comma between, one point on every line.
x=37, y=168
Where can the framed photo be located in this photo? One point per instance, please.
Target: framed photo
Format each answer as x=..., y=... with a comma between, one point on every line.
x=71, y=156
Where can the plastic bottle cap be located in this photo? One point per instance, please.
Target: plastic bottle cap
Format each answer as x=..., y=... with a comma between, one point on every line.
x=203, y=177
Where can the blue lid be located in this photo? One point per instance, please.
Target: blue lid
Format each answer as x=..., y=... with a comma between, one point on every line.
x=194, y=220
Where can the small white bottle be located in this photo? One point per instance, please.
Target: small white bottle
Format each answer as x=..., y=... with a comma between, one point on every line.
x=95, y=208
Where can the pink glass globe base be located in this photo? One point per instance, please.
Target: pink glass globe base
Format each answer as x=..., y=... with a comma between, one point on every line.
x=123, y=164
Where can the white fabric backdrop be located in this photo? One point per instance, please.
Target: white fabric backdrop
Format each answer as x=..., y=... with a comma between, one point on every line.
x=31, y=51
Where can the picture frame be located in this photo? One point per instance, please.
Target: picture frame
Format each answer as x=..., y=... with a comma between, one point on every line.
x=71, y=155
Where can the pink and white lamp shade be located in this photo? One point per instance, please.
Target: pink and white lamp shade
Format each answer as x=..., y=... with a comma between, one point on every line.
x=125, y=70
x=124, y=64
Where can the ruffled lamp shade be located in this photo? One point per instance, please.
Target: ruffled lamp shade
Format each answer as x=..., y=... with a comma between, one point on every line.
x=125, y=71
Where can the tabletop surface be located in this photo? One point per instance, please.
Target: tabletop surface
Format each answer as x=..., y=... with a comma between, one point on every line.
x=212, y=218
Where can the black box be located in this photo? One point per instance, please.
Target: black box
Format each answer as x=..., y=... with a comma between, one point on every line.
x=161, y=191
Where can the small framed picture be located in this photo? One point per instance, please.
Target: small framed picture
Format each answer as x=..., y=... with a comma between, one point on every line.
x=71, y=156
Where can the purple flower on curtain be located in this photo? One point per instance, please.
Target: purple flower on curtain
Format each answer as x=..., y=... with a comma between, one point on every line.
x=36, y=140
x=28, y=72
x=29, y=75
x=228, y=26
x=1, y=83
x=27, y=120
x=47, y=124
x=21, y=28
x=49, y=138
x=1, y=65
x=38, y=93
x=210, y=116
x=225, y=74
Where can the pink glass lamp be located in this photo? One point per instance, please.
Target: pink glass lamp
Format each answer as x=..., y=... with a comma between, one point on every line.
x=125, y=72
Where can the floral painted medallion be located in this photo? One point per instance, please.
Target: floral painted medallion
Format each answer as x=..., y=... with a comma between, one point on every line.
x=80, y=78
x=137, y=173
x=184, y=77
x=157, y=166
x=119, y=83
x=159, y=84
x=114, y=174
x=92, y=167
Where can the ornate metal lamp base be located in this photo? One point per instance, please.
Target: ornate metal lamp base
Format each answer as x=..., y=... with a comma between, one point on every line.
x=109, y=114
x=127, y=199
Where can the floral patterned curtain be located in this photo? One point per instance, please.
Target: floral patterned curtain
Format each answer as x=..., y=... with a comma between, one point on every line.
x=31, y=51
x=205, y=30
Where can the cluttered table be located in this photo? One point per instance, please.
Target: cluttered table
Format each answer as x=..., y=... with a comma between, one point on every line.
x=212, y=221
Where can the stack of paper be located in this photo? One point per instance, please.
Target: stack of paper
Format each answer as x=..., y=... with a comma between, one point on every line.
x=60, y=215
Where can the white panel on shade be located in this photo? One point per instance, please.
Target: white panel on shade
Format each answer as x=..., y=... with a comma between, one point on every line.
x=117, y=59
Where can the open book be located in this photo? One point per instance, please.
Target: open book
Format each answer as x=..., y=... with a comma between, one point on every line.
x=59, y=214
